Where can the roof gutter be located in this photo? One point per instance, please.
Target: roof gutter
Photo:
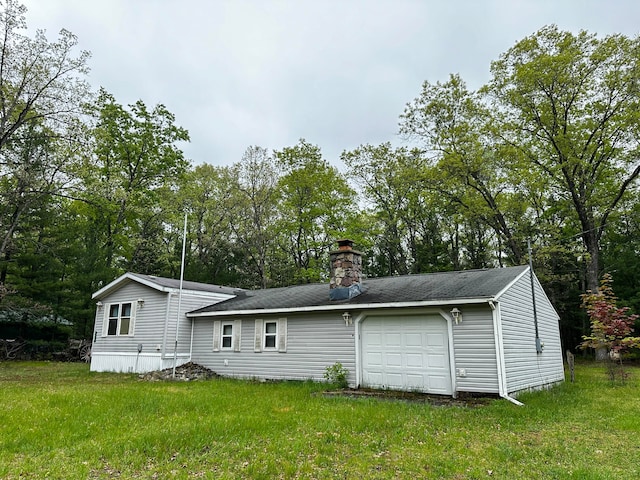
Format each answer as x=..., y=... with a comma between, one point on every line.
x=502, y=371
x=338, y=307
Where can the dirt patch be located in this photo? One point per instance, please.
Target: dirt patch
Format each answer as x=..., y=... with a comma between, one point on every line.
x=463, y=400
x=184, y=373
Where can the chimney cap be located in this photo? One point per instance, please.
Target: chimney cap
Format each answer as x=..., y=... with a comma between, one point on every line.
x=345, y=244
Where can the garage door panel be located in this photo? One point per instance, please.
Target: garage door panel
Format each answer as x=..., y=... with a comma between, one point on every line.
x=415, y=381
x=439, y=384
x=435, y=340
x=406, y=353
x=392, y=340
x=436, y=361
x=393, y=378
x=414, y=360
x=374, y=339
x=375, y=359
x=394, y=360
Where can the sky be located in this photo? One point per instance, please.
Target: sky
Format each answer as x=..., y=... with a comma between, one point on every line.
x=338, y=73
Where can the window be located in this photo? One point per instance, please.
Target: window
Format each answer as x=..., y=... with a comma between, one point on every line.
x=120, y=319
x=270, y=334
x=227, y=335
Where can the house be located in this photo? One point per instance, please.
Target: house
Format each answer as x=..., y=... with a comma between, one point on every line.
x=490, y=331
x=137, y=317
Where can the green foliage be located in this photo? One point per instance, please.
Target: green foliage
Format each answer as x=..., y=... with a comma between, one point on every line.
x=134, y=164
x=547, y=150
x=42, y=82
x=315, y=202
x=337, y=375
x=468, y=167
x=570, y=107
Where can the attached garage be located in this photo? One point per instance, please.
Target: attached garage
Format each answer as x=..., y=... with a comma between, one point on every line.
x=490, y=331
x=406, y=353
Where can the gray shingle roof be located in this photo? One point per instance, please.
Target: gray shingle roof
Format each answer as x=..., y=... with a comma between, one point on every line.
x=186, y=285
x=443, y=286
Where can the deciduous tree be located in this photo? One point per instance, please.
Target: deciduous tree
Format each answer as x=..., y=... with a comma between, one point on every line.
x=470, y=167
x=255, y=193
x=40, y=81
x=135, y=161
x=611, y=326
x=315, y=203
x=570, y=103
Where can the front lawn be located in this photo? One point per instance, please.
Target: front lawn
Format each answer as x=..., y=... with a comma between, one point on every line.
x=61, y=421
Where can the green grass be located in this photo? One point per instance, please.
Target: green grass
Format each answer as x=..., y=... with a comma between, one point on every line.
x=61, y=421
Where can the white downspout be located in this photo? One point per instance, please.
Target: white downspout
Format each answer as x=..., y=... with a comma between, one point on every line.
x=452, y=353
x=357, y=331
x=191, y=342
x=497, y=332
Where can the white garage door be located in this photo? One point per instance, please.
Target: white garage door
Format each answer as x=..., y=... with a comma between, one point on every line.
x=406, y=353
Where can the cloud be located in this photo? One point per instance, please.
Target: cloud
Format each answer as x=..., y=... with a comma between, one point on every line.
x=249, y=72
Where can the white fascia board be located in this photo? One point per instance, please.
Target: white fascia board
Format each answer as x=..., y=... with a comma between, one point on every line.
x=200, y=293
x=342, y=307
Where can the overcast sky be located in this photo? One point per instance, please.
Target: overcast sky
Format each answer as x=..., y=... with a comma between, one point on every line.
x=338, y=73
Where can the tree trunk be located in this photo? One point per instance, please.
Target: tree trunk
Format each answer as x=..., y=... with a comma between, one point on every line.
x=592, y=273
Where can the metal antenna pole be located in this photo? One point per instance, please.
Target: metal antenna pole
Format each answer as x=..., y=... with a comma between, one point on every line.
x=533, y=298
x=184, y=247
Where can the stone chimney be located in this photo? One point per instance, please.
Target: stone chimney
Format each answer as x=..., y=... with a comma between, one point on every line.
x=346, y=272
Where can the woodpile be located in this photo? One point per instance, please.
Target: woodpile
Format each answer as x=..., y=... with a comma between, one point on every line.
x=184, y=373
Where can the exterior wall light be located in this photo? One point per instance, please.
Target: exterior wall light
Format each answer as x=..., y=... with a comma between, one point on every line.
x=347, y=318
x=456, y=314
x=140, y=302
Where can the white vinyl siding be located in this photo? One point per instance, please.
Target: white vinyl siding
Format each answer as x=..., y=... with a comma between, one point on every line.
x=153, y=326
x=475, y=352
x=312, y=342
x=525, y=368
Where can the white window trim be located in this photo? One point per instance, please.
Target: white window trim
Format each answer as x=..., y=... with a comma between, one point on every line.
x=260, y=335
x=275, y=336
x=132, y=319
x=230, y=337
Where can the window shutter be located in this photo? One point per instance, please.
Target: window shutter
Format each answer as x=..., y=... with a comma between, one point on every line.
x=216, y=336
x=132, y=321
x=105, y=319
x=237, y=335
x=257, y=347
x=282, y=334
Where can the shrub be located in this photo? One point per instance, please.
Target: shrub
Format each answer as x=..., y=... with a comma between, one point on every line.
x=611, y=327
x=337, y=375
